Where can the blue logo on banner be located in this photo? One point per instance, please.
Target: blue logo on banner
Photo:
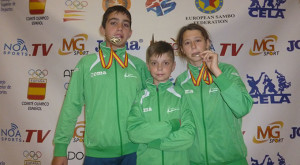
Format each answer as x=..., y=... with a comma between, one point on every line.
x=132, y=45
x=11, y=135
x=268, y=161
x=18, y=48
x=161, y=8
x=293, y=44
x=270, y=94
x=268, y=9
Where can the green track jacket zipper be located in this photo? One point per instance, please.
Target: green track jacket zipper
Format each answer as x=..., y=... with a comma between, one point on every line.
x=107, y=95
x=218, y=109
x=153, y=122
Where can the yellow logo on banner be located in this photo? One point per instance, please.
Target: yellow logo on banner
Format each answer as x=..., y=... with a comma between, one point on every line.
x=76, y=45
x=109, y=3
x=271, y=133
x=266, y=46
x=37, y=84
x=79, y=131
x=37, y=6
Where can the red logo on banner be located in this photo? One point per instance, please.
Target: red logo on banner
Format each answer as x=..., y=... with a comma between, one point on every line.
x=37, y=84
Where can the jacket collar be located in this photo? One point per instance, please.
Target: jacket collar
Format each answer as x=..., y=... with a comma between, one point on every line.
x=106, y=50
x=161, y=86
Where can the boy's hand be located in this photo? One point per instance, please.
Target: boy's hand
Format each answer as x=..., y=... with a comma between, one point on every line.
x=59, y=160
x=211, y=60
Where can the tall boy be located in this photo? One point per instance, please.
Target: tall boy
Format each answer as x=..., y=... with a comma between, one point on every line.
x=106, y=84
x=160, y=119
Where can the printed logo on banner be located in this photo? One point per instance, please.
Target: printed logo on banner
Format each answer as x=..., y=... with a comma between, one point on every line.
x=265, y=47
x=209, y=6
x=75, y=10
x=266, y=9
x=270, y=94
x=45, y=50
x=7, y=6
x=32, y=157
x=20, y=49
x=268, y=161
x=37, y=7
x=40, y=136
x=108, y=3
x=75, y=46
x=293, y=44
x=161, y=7
x=16, y=49
x=78, y=135
x=75, y=155
x=271, y=133
x=37, y=84
x=36, y=90
x=12, y=134
x=130, y=45
x=235, y=48
x=295, y=132
x=4, y=88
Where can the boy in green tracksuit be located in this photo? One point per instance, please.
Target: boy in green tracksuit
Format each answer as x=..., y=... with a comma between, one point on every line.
x=106, y=84
x=218, y=99
x=160, y=119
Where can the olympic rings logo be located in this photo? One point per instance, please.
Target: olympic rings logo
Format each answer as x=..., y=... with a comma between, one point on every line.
x=32, y=155
x=76, y=4
x=38, y=73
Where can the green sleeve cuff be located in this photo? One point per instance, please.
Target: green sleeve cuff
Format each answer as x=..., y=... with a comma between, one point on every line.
x=60, y=149
x=175, y=123
x=155, y=144
x=222, y=82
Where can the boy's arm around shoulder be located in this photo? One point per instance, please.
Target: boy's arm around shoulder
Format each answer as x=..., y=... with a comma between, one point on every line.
x=142, y=131
x=181, y=139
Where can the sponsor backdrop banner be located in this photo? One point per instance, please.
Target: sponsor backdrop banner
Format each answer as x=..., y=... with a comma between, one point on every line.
x=41, y=41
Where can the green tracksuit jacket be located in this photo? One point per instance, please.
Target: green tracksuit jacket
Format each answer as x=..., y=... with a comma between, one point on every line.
x=153, y=122
x=107, y=95
x=218, y=109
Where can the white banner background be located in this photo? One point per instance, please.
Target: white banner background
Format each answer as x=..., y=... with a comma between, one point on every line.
x=29, y=42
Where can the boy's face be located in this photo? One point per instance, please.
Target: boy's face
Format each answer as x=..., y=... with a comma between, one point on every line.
x=161, y=67
x=193, y=45
x=117, y=25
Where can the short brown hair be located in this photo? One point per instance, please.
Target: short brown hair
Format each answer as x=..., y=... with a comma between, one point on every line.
x=117, y=8
x=158, y=48
x=191, y=26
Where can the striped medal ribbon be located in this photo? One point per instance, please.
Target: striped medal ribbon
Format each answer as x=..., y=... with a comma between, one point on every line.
x=113, y=55
x=205, y=74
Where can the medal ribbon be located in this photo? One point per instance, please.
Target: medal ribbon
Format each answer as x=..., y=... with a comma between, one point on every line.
x=113, y=55
x=205, y=74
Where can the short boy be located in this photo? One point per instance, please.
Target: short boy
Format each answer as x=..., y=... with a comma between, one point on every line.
x=160, y=119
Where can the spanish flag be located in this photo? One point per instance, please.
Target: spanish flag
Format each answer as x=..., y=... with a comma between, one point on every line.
x=36, y=89
x=37, y=6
